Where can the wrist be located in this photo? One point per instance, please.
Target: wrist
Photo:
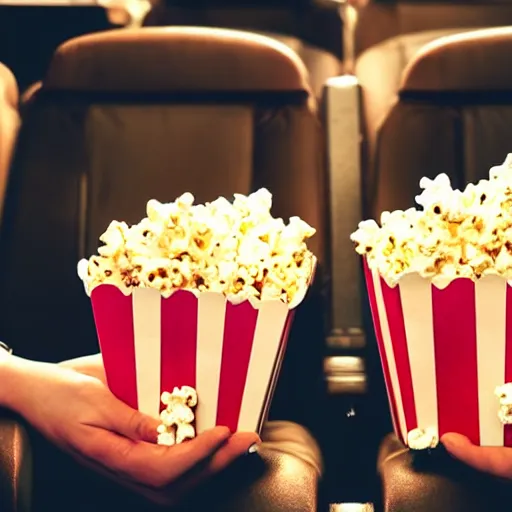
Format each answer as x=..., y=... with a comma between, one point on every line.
x=13, y=375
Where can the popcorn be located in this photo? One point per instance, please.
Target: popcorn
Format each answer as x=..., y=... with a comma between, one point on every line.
x=422, y=439
x=236, y=249
x=178, y=416
x=504, y=393
x=456, y=233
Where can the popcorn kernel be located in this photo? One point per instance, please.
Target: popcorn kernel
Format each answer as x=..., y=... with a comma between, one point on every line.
x=222, y=247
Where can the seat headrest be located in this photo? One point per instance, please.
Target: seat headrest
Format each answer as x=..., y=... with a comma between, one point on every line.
x=175, y=59
x=470, y=61
x=8, y=88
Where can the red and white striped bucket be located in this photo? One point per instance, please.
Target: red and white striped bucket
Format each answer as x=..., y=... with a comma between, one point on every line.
x=443, y=352
x=231, y=354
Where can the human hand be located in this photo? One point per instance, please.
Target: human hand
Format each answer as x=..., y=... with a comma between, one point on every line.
x=495, y=460
x=78, y=413
x=87, y=365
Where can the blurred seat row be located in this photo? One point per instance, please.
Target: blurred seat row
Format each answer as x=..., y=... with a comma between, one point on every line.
x=118, y=116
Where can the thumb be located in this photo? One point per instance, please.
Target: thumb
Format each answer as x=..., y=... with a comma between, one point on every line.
x=495, y=460
x=457, y=445
x=131, y=423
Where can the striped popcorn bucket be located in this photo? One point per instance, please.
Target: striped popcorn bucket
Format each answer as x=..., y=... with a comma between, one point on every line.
x=231, y=354
x=443, y=352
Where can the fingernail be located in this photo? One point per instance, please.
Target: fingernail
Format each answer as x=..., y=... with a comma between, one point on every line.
x=451, y=441
x=254, y=448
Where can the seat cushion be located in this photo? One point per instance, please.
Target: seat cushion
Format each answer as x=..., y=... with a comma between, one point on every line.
x=379, y=71
x=292, y=439
x=435, y=483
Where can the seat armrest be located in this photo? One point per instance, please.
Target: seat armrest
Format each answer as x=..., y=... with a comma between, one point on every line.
x=342, y=121
x=15, y=465
x=424, y=483
x=283, y=476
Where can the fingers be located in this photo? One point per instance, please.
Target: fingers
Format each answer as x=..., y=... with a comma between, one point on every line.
x=88, y=365
x=150, y=464
x=236, y=446
x=192, y=453
x=494, y=460
x=128, y=422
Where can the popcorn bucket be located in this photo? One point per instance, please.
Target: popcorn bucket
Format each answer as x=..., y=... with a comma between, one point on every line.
x=443, y=353
x=231, y=354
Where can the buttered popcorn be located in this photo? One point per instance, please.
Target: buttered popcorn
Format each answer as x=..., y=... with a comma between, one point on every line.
x=456, y=233
x=235, y=248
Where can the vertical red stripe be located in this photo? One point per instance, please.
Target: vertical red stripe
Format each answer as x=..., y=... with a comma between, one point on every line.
x=508, y=359
x=178, y=340
x=239, y=327
x=454, y=316
x=113, y=314
x=393, y=303
x=383, y=357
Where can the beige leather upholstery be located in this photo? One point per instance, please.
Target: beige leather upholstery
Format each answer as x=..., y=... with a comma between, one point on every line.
x=390, y=33
x=315, y=23
x=190, y=59
x=320, y=63
x=313, y=32
x=379, y=71
x=470, y=61
x=9, y=124
x=452, y=115
x=382, y=20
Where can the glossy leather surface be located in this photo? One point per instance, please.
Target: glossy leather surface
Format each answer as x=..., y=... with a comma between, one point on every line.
x=317, y=25
x=464, y=115
x=15, y=465
x=435, y=483
x=382, y=20
x=196, y=59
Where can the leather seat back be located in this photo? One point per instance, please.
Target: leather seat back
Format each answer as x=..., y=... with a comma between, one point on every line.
x=385, y=19
x=313, y=32
x=9, y=124
x=452, y=115
x=388, y=36
x=125, y=116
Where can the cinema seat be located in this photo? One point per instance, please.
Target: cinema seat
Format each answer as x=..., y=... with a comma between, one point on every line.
x=389, y=33
x=451, y=115
x=124, y=116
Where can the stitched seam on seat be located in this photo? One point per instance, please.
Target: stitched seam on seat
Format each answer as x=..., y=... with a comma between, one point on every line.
x=395, y=455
